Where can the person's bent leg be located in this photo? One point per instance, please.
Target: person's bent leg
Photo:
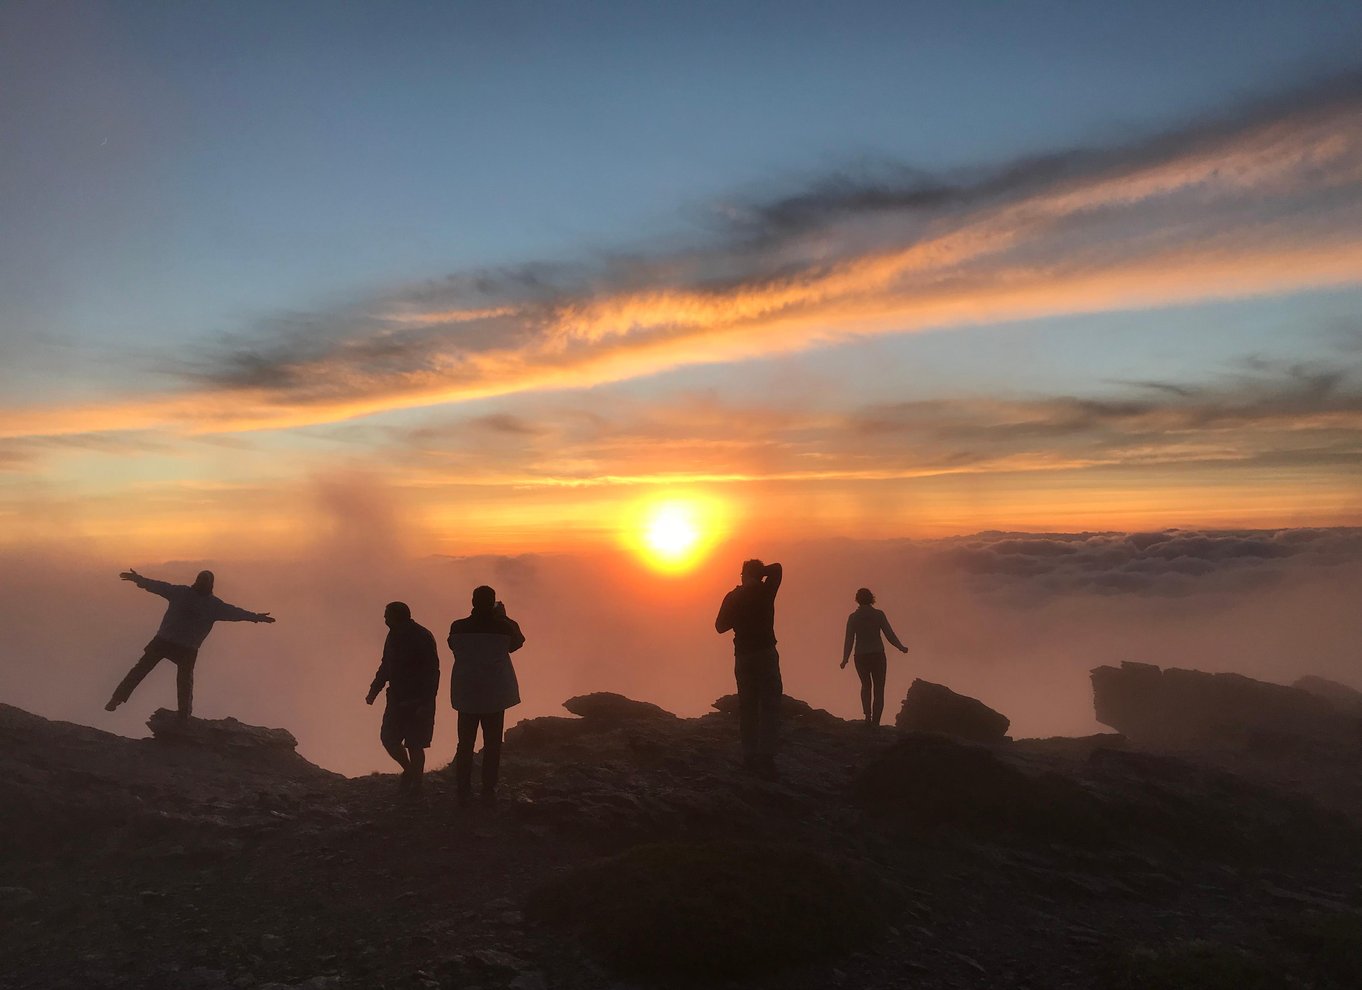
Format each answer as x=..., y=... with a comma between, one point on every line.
x=416, y=759
x=420, y=731
x=463, y=756
x=184, y=686
x=863, y=672
x=391, y=738
x=492, y=726
x=128, y=684
x=878, y=671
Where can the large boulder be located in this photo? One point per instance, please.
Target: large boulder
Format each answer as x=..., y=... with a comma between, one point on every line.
x=1191, y=708
x=932, y=707
x=606, y=706
x=223, y=734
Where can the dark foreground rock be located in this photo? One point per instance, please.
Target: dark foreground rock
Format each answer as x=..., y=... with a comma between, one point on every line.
x=932, y=707
x=652, y=911
x=1176, y=708
x=638, y=849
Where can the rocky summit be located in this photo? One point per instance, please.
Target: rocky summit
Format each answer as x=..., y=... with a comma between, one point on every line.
x=630, y=849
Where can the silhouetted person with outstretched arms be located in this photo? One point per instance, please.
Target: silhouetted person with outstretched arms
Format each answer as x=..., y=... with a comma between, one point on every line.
x=482, y=685
x=189, y=618
x=411, y=670
x=863, y=632
x=749, y=610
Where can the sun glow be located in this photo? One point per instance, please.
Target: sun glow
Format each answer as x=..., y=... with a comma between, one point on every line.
x=674, y=535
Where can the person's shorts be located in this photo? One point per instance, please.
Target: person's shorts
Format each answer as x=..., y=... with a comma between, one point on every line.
x=408, y=723
x=174, y=652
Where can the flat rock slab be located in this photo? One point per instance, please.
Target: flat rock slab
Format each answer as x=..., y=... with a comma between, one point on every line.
x=219, y=733
x=611, y=707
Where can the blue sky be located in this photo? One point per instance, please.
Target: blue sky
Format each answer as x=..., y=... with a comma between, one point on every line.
x=185, y=186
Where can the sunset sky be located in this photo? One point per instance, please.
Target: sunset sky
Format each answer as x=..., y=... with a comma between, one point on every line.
x=359, y=301
x=842, y=270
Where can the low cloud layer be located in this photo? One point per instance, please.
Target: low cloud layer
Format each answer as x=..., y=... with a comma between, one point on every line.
x=1260, y=201
x=1015, y=619
x=1170, y=563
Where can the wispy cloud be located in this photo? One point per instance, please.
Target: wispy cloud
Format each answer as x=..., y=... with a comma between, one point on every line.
x=1268, y=415
x=1263, y=200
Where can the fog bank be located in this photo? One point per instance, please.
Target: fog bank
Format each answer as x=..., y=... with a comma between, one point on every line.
x=1014, y=619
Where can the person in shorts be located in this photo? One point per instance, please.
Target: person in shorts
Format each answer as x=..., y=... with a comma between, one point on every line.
x=411, y=671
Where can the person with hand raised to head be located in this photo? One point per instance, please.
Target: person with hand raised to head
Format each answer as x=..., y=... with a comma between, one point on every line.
x=749, y=610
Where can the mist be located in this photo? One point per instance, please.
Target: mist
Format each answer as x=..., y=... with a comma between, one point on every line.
x=1016, y=620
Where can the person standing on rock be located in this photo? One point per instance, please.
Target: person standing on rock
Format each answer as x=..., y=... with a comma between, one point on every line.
x=189, y=618
x=863, y=632
x=482, y=685
x=749, y=610
x=411, y=670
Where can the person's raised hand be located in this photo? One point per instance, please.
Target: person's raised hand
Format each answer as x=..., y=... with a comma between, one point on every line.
x=129, y=575
x=264, y=617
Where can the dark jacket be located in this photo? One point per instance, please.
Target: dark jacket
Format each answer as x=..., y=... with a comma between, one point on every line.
x=482, y=679
x=410, y=666
x=750, y=611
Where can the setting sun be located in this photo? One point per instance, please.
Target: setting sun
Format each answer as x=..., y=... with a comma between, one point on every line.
x=674, y=535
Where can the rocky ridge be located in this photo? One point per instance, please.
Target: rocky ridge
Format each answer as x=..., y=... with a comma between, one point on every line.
x=214, y=856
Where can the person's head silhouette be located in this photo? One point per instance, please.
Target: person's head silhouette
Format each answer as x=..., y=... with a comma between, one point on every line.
x=484, y=597
x=395, y=613
x=864, y=596
x=752, y=571
x=203, y=584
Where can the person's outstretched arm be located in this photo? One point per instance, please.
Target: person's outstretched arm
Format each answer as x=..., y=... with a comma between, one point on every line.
x=162, y=588
x=231, y=613
x=889, y=633
x=846, y=643
x=774, y=574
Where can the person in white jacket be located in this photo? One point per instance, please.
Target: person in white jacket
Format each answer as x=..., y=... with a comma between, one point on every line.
x=482, y=685
x=189, y=618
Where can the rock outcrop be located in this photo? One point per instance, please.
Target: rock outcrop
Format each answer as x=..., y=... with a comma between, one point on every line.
x=1341, y=696
x=1177, y=708
x=606, y=706
x=641, y=843
x=64, y=784
x=932, y=707
x=222, y=734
